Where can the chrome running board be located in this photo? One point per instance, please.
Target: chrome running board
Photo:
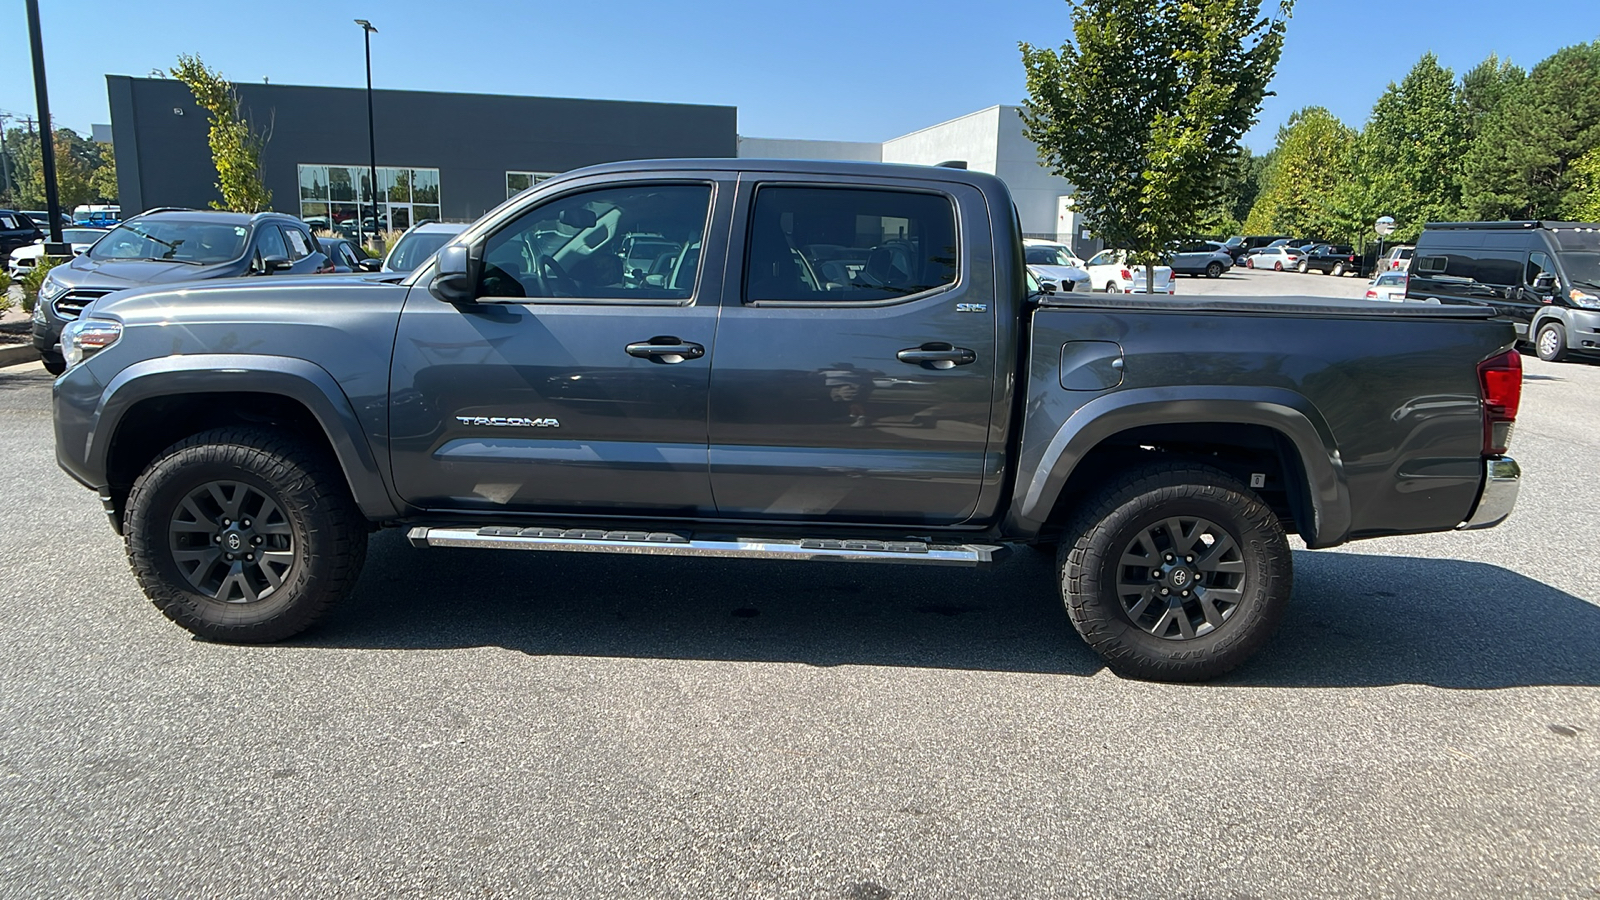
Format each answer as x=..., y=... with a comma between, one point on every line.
x=666, y=543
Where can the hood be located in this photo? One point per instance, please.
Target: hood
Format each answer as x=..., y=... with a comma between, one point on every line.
x=117, y=274
x=1060, y=273
x=275, y=298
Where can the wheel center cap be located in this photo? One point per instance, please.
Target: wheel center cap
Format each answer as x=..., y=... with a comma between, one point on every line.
x=234, y=541
x=1180, y=577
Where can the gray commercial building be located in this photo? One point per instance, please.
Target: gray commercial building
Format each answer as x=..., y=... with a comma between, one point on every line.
x=440, y=156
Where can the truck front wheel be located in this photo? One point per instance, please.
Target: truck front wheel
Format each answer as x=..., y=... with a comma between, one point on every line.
x=244, y=535
x=1175, y=573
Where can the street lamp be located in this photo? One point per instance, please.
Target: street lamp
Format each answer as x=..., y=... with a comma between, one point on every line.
x=372, y=142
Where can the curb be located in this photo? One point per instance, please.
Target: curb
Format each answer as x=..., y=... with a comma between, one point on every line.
x=17, y=355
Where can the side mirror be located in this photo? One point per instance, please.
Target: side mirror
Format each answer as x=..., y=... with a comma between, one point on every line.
x=271, y=264
x=370, y=264
x=1544, y=282
x=453, y=281
x=580, y=217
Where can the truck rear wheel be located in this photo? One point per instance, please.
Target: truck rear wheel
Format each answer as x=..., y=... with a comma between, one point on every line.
x=1176, y=573
x=243, y=535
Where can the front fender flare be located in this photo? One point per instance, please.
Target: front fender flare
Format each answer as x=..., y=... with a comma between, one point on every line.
x=298, y=379
x=1283, y=411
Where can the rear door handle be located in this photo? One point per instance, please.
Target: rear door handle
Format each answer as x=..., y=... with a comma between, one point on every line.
x=937, y=355
x=666, y=349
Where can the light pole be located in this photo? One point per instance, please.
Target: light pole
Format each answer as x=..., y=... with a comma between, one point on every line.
x=372, y=142
x=47, y=144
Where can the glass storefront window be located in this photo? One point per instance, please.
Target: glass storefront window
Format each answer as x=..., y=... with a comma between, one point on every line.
x=340, y=197
x=517, y=182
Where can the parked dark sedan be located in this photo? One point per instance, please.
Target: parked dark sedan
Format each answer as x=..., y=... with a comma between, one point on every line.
x=345, y=254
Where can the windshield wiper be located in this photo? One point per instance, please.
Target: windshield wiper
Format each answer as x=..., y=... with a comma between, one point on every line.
x=187, y=262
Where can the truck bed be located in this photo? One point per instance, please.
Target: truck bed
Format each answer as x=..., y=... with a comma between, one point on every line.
x=1270, y=306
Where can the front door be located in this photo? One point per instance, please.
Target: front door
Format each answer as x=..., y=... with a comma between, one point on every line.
x=855, y=356
x=579, y=386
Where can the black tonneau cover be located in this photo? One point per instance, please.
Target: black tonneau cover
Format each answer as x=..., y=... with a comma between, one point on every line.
x=1269, y=306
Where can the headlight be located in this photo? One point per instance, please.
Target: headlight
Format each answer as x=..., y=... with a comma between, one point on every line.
x=1583, y=299
x=38, y=315
x=84, y=338
x=51, y=288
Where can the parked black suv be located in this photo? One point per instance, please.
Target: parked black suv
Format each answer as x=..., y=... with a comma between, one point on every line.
x=1542, y=276
x=16, y=230
x=167, y=246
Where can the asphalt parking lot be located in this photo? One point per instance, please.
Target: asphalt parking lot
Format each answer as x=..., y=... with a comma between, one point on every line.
x=479, y=724
x=1242, y=282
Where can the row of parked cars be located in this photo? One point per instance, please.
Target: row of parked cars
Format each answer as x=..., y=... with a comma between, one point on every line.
x=170, y=245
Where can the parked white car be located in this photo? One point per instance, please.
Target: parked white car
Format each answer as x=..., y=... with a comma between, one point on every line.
x=24, y=258
x=1398, y=259
x=1109, y=271
x=1390, y=286
x=1277, y=259
x=1053, y=262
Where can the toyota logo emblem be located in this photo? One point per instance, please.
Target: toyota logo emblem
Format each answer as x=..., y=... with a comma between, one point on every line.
x=1180, y=577
x=233, y=542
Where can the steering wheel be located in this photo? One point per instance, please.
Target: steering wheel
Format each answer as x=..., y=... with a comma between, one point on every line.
x=547, y=273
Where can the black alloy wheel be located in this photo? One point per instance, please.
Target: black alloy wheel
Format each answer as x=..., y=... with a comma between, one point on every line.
x=232, y=542
x=244, y=534
x=1181, y=578
x=1175, y=572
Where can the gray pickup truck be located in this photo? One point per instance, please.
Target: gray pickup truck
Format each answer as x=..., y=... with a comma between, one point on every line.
x=777, y=360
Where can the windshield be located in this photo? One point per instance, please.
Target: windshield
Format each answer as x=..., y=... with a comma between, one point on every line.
x=200, y=243
x=1047, y=256
x=1582, y=266
x=414, y=249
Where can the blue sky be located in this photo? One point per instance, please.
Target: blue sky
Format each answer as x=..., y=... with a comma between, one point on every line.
x=824, y=69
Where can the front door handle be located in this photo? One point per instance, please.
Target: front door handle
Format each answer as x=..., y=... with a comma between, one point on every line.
x=666, y=349
x=937, y=355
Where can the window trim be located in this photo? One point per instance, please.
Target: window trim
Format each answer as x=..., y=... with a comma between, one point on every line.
x=749, y=229
x=479, y=244
x=534, y=180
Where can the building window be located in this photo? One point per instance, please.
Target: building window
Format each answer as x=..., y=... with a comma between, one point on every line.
x=517, y=182
x=334, y=198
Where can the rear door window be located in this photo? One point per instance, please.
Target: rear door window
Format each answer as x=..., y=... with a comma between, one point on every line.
x=299, y=243
x=848, y=245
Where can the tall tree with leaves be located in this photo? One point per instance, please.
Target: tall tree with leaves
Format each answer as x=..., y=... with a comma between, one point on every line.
x=1407, y=161
x=1582, y=203
x=1484, y=87
x=1309, y=164
x=235, y=146
x=1142, y=110
x=1519, y=164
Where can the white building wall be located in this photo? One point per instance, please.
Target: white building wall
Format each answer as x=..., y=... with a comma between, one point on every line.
x=972, y=138
x=784, y=148
x=1036, y=190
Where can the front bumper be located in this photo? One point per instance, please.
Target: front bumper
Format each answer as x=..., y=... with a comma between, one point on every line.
x=1502, y=478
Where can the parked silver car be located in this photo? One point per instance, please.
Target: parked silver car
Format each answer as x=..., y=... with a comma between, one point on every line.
x=1197, y=258
x=1054, y=263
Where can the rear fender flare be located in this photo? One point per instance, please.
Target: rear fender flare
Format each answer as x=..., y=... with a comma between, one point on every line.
x=297, y=379
x=1286, y=412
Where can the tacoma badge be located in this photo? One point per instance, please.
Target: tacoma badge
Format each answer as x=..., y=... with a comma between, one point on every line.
x=508, y=422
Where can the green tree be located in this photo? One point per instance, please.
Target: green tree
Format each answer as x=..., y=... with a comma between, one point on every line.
x=235, y=146
x=1299, y=189
x=1406, y=162
x=1484, y=86
x=73, y=169
x=1520, y=161
x=104, y=178
x=1142, y=110
x=1582, y=203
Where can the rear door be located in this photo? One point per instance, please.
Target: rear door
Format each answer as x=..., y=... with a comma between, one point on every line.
x=579, y=386
x=855, y=353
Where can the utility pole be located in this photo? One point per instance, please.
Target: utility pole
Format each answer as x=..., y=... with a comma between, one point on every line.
x=372, y=141
x=5, y=158
x=47, y=148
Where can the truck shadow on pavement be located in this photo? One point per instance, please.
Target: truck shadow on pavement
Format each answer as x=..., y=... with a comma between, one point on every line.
x=1356, y=620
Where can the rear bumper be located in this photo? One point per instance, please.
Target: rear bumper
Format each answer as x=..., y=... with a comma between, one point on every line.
x=1502, y=478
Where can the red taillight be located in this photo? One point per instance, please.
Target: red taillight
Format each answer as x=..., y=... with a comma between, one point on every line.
x=1372, y=295
x=1500, y=378
x=1126, y=275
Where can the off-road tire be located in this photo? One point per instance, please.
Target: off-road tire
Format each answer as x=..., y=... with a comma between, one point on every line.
x=328, y=532
x=54, y=363
x=1551, y=342
x=1089, y=565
